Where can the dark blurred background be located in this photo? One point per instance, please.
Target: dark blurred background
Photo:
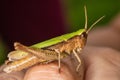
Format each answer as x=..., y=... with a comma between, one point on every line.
x=33, y=21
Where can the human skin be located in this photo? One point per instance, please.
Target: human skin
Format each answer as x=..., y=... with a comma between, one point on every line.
x=100, y=59
x=100, y=64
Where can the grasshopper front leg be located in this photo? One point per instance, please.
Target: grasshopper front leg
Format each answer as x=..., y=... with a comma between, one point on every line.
x=78, y=59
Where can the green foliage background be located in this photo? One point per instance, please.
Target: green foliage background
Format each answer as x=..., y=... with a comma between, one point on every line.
x=95, y=8
x=3, y=51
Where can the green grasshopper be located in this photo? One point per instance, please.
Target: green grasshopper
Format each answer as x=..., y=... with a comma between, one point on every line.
x=52, y=49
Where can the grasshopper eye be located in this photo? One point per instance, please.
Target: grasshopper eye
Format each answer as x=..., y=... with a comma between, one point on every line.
x=84, y=35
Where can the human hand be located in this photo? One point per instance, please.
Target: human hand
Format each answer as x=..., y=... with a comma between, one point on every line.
x=100, y=64
x=100, y=56
x=100, y=60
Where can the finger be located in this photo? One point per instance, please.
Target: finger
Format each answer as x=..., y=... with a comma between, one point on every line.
x=102, y=63
x=48, y=72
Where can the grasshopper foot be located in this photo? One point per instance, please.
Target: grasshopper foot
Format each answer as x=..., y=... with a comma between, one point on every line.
x=78, y=66
x=59, y=70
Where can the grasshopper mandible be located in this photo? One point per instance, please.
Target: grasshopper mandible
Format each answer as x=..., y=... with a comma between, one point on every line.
x=49, y=50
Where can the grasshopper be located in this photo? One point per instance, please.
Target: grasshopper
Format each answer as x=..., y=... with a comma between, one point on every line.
x=49, y=50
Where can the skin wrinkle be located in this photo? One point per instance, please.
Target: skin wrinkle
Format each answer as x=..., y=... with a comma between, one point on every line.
x=48, y=72
x=43, y=72
x=54, y=67
x=53, y=76
x=99, y=73
x=114, y=60
x=48, y=78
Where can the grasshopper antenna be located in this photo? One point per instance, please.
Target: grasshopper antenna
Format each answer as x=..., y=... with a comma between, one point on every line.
x=95, y=23
x=85, y=17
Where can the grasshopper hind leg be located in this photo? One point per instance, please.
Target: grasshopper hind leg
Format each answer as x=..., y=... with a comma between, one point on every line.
x=78, y=59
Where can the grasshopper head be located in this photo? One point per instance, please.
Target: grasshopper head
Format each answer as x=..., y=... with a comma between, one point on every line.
x=85, y=33
x=83, y=37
